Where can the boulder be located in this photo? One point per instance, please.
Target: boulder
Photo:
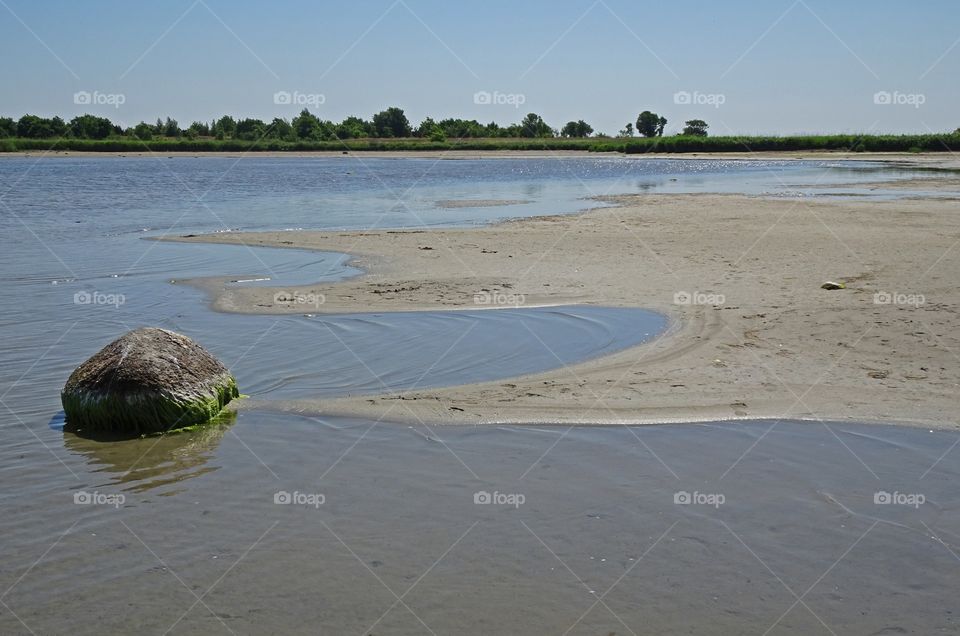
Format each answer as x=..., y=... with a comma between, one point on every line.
x=149, y=380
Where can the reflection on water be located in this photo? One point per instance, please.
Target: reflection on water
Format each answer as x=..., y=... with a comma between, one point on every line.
x=145, y=463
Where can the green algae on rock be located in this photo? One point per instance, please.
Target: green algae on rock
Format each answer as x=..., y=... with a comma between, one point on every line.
x=149, y=380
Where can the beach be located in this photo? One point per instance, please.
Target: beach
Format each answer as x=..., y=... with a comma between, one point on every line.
x=753, y=334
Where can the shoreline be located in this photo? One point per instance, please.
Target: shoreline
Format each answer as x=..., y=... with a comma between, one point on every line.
x=776, y=346
x=941, y=160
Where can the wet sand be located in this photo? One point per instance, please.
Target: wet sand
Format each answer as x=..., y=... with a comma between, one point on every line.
x=756, y=337
x=476, y=203
x=601, y=542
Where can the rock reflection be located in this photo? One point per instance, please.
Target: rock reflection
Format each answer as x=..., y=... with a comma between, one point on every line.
x=146, y=463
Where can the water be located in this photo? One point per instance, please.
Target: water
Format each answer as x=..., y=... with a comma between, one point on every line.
x=598, y=520
x=77, y=272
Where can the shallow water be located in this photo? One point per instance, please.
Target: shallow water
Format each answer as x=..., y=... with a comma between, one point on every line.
x=597, y=545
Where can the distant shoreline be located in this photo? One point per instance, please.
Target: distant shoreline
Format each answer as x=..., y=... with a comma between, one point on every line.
x=943, y=144
x=942, y=161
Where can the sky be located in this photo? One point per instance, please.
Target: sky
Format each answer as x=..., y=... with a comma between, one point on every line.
x=746, y=67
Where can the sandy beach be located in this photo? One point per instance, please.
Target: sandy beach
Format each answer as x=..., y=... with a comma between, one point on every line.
x=753, y=335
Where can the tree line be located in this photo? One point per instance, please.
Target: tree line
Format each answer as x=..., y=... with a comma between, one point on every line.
x=387, y=124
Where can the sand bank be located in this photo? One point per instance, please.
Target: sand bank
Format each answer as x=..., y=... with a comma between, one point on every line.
x=755, y=335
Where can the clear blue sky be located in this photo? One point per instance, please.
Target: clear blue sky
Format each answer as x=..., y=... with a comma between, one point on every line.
x=780, y=66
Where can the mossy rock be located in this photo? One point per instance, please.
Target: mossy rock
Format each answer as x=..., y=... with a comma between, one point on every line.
x=149, y=380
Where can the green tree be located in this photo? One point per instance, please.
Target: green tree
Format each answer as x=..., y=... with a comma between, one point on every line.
x=280, y=128
x=425, y=128
x=90, y=127
x=650, y=124
x=143, y=131
x=306, y=126
x=391, y=123
x=226, y=126
x=250, y=129
x=171, y=128
x=8, y=127
x=627, y=130
x=353, y=128
x=534, y=126
x=695, y=128
x=34, y=127
x=577, y=129
x=461, y=128
x=199, y=129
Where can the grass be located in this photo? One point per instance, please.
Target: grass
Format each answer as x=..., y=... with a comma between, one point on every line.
x=854, y=143
x=635, y=145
